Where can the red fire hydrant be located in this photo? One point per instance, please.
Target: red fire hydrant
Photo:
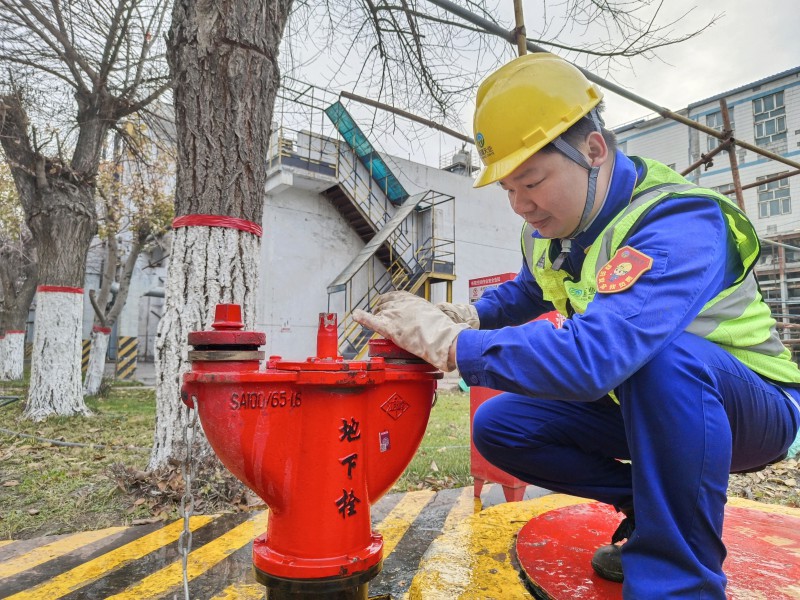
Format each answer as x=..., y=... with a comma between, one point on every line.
x=319, y=441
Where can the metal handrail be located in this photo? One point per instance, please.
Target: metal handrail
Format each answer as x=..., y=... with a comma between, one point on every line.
x=409, y=263
x=394, y=278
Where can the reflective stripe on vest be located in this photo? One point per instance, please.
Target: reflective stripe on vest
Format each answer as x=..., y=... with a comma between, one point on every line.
x=736, y=319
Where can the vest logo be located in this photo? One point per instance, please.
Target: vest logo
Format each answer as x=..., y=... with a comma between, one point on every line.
x=623, y=270
x=540, y=264
x=581, y=295
x=575, y=292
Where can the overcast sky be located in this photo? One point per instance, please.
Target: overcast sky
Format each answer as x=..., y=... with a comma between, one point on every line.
x=754, y=39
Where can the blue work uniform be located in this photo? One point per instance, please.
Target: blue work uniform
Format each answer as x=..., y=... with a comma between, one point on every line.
x=689, y=412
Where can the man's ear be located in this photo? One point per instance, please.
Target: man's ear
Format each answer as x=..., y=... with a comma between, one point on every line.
x=597, y=149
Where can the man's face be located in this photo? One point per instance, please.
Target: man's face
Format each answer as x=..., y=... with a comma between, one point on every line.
x=549, y=191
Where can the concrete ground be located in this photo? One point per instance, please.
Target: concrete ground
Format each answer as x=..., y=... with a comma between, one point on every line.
x=143, y=562
x=441, y=545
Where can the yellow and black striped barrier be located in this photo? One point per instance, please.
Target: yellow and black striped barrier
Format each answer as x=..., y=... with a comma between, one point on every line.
x=86, y=348
x=28, y=352
x=127, y=352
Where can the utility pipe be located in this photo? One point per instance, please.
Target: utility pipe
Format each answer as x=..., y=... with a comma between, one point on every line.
x=519, y=32
x=407, y=115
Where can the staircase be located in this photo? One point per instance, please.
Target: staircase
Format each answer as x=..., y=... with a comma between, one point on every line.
x=406, y=245
x=358, y=221
x=430, y=261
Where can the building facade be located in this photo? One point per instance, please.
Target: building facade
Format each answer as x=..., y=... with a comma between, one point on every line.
x=334, y=239
x=765, y=113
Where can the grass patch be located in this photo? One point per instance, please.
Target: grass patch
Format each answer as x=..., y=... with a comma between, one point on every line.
x=50, y=489
x=442, y=460
x=47, y=489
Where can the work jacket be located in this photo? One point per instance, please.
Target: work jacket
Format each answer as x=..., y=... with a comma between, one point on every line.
x=697, y=266
x=737, y=319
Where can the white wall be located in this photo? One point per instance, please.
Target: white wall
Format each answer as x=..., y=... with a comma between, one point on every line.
x=307, y=244
x=660, y=139
x=487, y=230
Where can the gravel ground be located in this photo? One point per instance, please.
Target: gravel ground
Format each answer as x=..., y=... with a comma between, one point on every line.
x=777, y=484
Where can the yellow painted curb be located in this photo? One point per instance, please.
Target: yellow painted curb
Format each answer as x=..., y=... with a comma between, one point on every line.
x=779, y=509
x=472, y=560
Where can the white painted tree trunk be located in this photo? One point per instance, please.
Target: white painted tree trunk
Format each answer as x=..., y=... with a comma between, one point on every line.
x=97, y=363
x=12, y=355
x=55, y=387
x=3, y=374
x=207, y=266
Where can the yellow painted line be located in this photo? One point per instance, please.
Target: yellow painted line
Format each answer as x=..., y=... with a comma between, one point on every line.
x=770, y=508
x=82, y=575
x=201, y=560
x=242, y=591
x=394, y=525
x=6, y=542
x=40, y=555
x=472, y=560
x=465, y=506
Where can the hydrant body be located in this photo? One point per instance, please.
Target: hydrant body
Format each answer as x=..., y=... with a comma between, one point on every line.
x=319, y=441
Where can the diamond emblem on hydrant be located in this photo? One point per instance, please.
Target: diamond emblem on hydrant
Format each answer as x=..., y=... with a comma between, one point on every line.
x=395, y=406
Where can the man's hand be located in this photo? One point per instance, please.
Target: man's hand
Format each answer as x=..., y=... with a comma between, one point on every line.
x=461, y=313
x=415, y=325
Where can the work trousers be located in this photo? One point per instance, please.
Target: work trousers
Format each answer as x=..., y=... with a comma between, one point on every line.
x=689, y=417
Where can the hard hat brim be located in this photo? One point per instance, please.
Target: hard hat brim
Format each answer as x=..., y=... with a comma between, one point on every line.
x=504, y=167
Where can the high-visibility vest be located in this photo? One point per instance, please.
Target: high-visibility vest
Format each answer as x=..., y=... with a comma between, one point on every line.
x=737, y=319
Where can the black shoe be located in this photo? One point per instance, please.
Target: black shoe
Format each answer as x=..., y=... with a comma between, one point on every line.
x=607, y=560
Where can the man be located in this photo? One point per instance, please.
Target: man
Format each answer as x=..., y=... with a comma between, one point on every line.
x=668, y=373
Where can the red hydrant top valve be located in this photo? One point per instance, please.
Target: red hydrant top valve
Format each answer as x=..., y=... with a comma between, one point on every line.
x=328, y=336
x=227, y=316
x=388, y=350
x=228, y=332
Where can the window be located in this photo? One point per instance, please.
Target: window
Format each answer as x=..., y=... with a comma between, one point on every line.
x=722, y=189
x=773, y=198
x=714, y=120
x=769, y=116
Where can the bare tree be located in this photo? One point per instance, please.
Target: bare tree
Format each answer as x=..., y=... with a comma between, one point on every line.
x=224, y=58
x=18, y=269
x=74, y=70
x=135, y=213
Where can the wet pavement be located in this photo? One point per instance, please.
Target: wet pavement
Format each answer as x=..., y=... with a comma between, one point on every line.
x=144, y=562
x=437, y=546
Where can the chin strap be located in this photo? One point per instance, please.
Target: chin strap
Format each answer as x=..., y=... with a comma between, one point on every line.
x=573, y=154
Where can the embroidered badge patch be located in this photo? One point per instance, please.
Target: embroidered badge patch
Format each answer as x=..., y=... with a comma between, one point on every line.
x=622, y=271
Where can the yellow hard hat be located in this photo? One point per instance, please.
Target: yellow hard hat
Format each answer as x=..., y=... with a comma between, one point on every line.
x=525, y=105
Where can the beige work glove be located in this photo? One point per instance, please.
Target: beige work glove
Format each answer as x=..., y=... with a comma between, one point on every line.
x=415, y=325
x=461, y=313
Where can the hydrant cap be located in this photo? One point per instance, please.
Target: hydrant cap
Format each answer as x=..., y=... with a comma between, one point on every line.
x=228, y=330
